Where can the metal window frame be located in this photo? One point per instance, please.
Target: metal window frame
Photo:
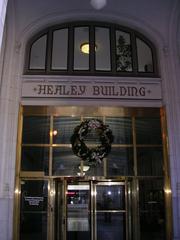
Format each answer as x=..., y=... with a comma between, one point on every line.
x=92, y=68
x=117, y=111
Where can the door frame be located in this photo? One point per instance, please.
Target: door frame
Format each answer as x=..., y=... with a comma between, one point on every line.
x=22, y=175
x=60, y=188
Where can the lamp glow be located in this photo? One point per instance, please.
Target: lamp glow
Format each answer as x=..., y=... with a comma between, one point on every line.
x=98, y=4
x=85, y=48
x=84, y=168
x=55, y=132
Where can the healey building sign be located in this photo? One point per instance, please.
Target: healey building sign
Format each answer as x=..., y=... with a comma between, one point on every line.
x=87, y=90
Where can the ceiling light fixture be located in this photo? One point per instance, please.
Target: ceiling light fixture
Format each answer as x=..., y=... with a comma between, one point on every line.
x=85, y=168
x=85, y=48
x=98, y=4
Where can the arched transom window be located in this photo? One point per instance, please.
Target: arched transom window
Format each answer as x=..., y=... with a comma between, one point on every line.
x=90, y=48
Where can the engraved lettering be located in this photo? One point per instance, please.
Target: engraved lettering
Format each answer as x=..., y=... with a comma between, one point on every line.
x=104, y=90
x=122, y=91
x=42, y=89
x=74, y=90
x=114, y=93
x=142, y=91
x=58, y=90
x=65, y=91
x=132, y=91
x=96, y=90
x=82, y=90
x=49, y=89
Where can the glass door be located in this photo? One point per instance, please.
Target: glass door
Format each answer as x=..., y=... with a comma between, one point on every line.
x=78, y=205
x=110, y=211
x=92, y=211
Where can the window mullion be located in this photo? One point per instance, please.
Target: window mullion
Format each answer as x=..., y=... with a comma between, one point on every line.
x=70, y=49
x=113, y=49
x=49, y=51
x=134, y=53
x=92, y=48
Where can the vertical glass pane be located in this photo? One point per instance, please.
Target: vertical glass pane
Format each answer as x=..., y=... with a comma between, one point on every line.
x=145, y=61
x=148, y=131
x=123, y=52
x=121, y=128
x=33, y=217
x=110, y=223
x=111, y=227
x=65, y=163
x=59, y=50
x=38, y=54
x=81, y=59
x=110, y=197
x=63, y=128
x=78, y=212
x=152, y=211
x=150, y=161
x=36, y=129
x=35, y=159
x=120, y=162
x=102, y=49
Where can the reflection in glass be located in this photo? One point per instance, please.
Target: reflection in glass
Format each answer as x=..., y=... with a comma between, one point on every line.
x=123, y=52
x=78, y=214
x=120, y=162
x=36, y=129
x=65, y=162
x=64, y=127
x=113, y=228
x=103, y=49
x=81, y=60
x=150, y=161
x=33, y=220
x=148, y=131
x=152, y=214
x=59, y=50
x=35, y=159
x=38, y=54
x=33, y=226
x=145, y=61
x=121, y=128
x=110, y=197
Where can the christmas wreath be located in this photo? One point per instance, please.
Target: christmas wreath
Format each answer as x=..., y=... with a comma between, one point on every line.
x=96, y=154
